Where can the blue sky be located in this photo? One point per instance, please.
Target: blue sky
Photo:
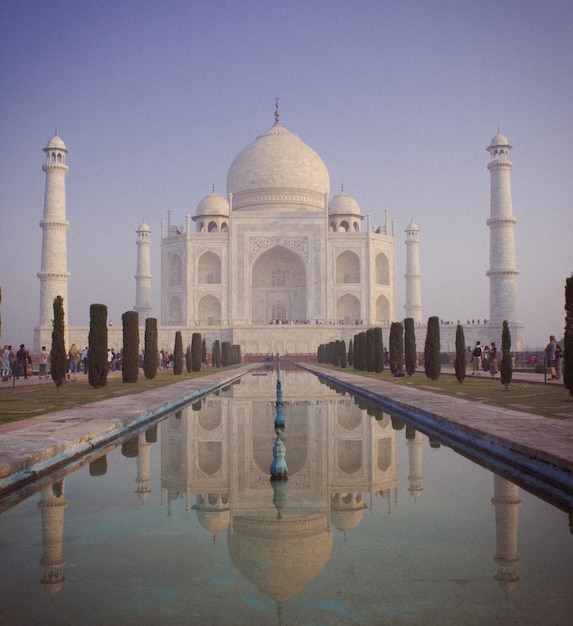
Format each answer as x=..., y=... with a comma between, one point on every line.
x=399, y=98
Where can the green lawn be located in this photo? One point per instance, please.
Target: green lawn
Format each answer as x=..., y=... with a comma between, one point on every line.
x=28, y=401
x=547, y=400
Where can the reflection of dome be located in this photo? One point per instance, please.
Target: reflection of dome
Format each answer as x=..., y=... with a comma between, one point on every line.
x=343, y=204
x=278, y=169
x=346, y=510
x=214, y=521
x=347, y=520
x=213, y=204
x=280, y=557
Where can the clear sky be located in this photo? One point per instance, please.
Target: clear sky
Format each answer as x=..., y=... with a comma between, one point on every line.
x=400, y=98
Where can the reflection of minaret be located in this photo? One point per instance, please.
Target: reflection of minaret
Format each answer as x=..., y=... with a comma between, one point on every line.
x=415, y=443
x=143, y=275
x=506, y=502
x=143, y=476
x=52, y=505
x=54, y=275
x=413, y=277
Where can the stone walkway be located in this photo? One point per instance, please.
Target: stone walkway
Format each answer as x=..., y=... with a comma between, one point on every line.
x=33, y=447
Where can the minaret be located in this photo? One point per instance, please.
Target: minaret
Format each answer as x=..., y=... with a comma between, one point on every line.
x=502, y=272
x=54, y=274
x=143, y=276
x=413, y=277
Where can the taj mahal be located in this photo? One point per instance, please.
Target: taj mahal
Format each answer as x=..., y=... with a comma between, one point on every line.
x=280, y=265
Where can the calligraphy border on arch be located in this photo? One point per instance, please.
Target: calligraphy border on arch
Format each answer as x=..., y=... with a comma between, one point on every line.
x=298, y=244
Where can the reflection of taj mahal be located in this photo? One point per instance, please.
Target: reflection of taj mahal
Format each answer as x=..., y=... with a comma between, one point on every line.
x=215, y=458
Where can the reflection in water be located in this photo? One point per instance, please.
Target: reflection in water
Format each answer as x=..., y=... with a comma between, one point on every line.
x=52, y=504
x=279, y=534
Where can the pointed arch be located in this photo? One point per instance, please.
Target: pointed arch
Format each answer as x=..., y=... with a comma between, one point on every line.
x=209, y=269
x=278, y=282
x=209, y=311
x=348, y=309
x=382, y=269
x=347, y=268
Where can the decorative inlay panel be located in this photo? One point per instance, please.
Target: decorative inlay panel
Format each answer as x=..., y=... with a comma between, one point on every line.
x=298, y=244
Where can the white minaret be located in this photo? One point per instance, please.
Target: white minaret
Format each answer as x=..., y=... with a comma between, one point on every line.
x=54, y=273
x=143, y=276
x=502, y=271
x=413, y=277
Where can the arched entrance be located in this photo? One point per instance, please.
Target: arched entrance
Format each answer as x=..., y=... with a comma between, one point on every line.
x=278, y=287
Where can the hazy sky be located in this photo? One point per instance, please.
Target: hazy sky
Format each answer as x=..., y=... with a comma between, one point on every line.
x=155, y=99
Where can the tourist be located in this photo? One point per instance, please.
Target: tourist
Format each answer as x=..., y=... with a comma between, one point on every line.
x=73, y=361
x=558, y=357
x=22, y=357
x=550, y=356
x=493, y=358
x=43, y=363
x=476, y=358
x=6, y=366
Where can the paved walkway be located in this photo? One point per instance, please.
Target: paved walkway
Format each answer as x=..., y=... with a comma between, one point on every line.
x=33, y=447
x=540, y=446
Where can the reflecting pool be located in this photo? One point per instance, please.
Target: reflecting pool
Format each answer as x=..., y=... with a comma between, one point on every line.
x=180, y=524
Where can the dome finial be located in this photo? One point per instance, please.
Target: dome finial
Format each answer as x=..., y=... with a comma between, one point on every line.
x=342, y=187
x=213, y=187
x=277, y=112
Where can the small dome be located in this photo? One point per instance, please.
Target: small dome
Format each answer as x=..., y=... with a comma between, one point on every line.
x=343, y=204
x=56, y=142
x=499, y=140
x=412, y=226
x=213, y=204
x=143, y=228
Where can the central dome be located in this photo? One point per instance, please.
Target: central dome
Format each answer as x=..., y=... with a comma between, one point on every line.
x=278, y=171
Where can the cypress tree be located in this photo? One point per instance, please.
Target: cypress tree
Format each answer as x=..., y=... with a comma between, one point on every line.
x=396, y=346
x=178, y=354
x=58, y=357
x=461, y=358
x=342, y=354
x=432, y=364
x=204, y=352
x=188, y=359
x=506, y=369
x=130, y=354
x=196, y=352
x=216, y=353
x=378, y=350
x=370, y=350
x=350, y=357
x=226, y=353
x=410, y=356
x=568, y=346
x=150, y=351
x=97, y=346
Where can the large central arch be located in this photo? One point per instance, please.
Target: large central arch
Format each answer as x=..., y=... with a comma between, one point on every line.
x=278, y=284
